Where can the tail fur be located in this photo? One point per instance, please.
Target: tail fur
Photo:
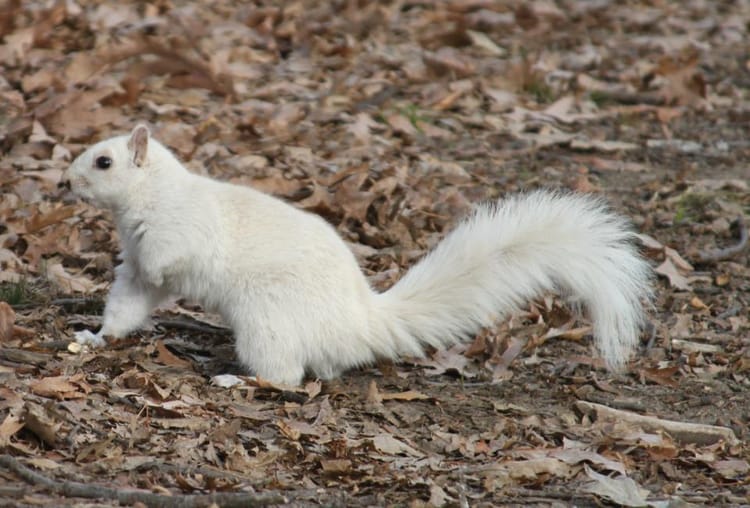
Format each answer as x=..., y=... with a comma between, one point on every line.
x=508, y=253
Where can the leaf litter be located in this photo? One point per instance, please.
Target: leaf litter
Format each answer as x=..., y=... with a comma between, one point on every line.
x=389, y=119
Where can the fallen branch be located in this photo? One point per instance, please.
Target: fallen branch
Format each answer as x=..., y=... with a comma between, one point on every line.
x=631, y=98
x=179, y=324
x=24, y=356
x=684, y=432
x=208, y=472
x=727, y=252
x=67, y=303
x=131, y=496
x=7, y=491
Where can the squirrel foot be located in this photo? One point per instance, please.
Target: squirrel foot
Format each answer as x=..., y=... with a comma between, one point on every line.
x=89, y=338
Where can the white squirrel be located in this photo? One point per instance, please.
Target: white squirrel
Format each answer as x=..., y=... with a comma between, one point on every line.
x=293, y=292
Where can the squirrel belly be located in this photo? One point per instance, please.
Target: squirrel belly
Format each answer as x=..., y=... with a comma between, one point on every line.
x=293, y=293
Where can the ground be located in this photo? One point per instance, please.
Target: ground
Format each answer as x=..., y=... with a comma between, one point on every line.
x=389, y=119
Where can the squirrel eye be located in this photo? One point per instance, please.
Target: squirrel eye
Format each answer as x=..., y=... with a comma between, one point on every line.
x=103, y=162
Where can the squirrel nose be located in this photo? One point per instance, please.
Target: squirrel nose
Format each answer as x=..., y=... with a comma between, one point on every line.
x=64, y=182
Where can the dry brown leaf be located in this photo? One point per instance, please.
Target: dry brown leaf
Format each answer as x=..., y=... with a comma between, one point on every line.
x=663, y=376
x=676, y=279
x=408, y=395
x=401, y=124
x=59, y=387
x=289, y=431
x=7, y=321
x=10, y=426
x=386, y=443
x=697, y=303
x=44, y=464
x=285, y=118
x=72, y=283
x=732, y=469
x=166, y=357
x=602, y=145
x=531, y=470
x=313, y=388
x=582, y=183
x=75, y=114
x=336, y=466
x=678, y=260
x=433, y=131
x=41, y=220
x=42, y=423
x=482, y=40
x=445, y=361
x=622, y=490
x=449, y=60
x=373, y=395
x=685, y=84
x=177, y=136
x=362, y=128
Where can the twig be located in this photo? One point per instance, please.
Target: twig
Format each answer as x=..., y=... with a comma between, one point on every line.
x=62, y=302
x=132, y=496
x=734, y=310
x=546, y=493
x=727, y=252
x=631, y=98
x=208, y=472
x=651, y=331
x=178, y=324
x=682, y=431
x=13, y=491
x=23, y=356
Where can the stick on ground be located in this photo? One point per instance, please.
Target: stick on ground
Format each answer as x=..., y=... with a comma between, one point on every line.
x=728, y=252
x=131, y=496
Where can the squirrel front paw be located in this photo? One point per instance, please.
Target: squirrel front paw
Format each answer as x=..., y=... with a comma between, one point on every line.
x=89, y=338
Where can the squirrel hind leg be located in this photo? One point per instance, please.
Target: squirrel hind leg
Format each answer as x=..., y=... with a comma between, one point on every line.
x=264, y=357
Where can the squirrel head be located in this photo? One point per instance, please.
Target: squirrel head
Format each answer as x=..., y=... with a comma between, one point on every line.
x=111, y=170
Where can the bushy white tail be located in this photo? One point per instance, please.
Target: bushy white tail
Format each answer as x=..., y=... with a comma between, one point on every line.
x=505, y=254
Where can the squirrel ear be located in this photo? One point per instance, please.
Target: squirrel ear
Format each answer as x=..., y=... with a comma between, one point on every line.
x=138, y=144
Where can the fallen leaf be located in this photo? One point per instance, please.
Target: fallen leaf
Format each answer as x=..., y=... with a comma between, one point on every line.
x=386, y=443
x=404, y=396
x=531, y=470
x=72, y=283
x=7, y=321
x=697, y=303
x=732, y=468
x=288, y=430
x=676, y=279
x=401, y=124
x=42, y=423
x=678, y=260
x=59, y=387
x=336, y=466
x=447, y=360
x=43, y=464
x=166, y=357
x=602, y=145
x=482, y=40
x=621, y=490
x=10, y=426
x=373, y=394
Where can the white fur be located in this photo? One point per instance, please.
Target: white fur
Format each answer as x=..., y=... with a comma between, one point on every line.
x=294, y=295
